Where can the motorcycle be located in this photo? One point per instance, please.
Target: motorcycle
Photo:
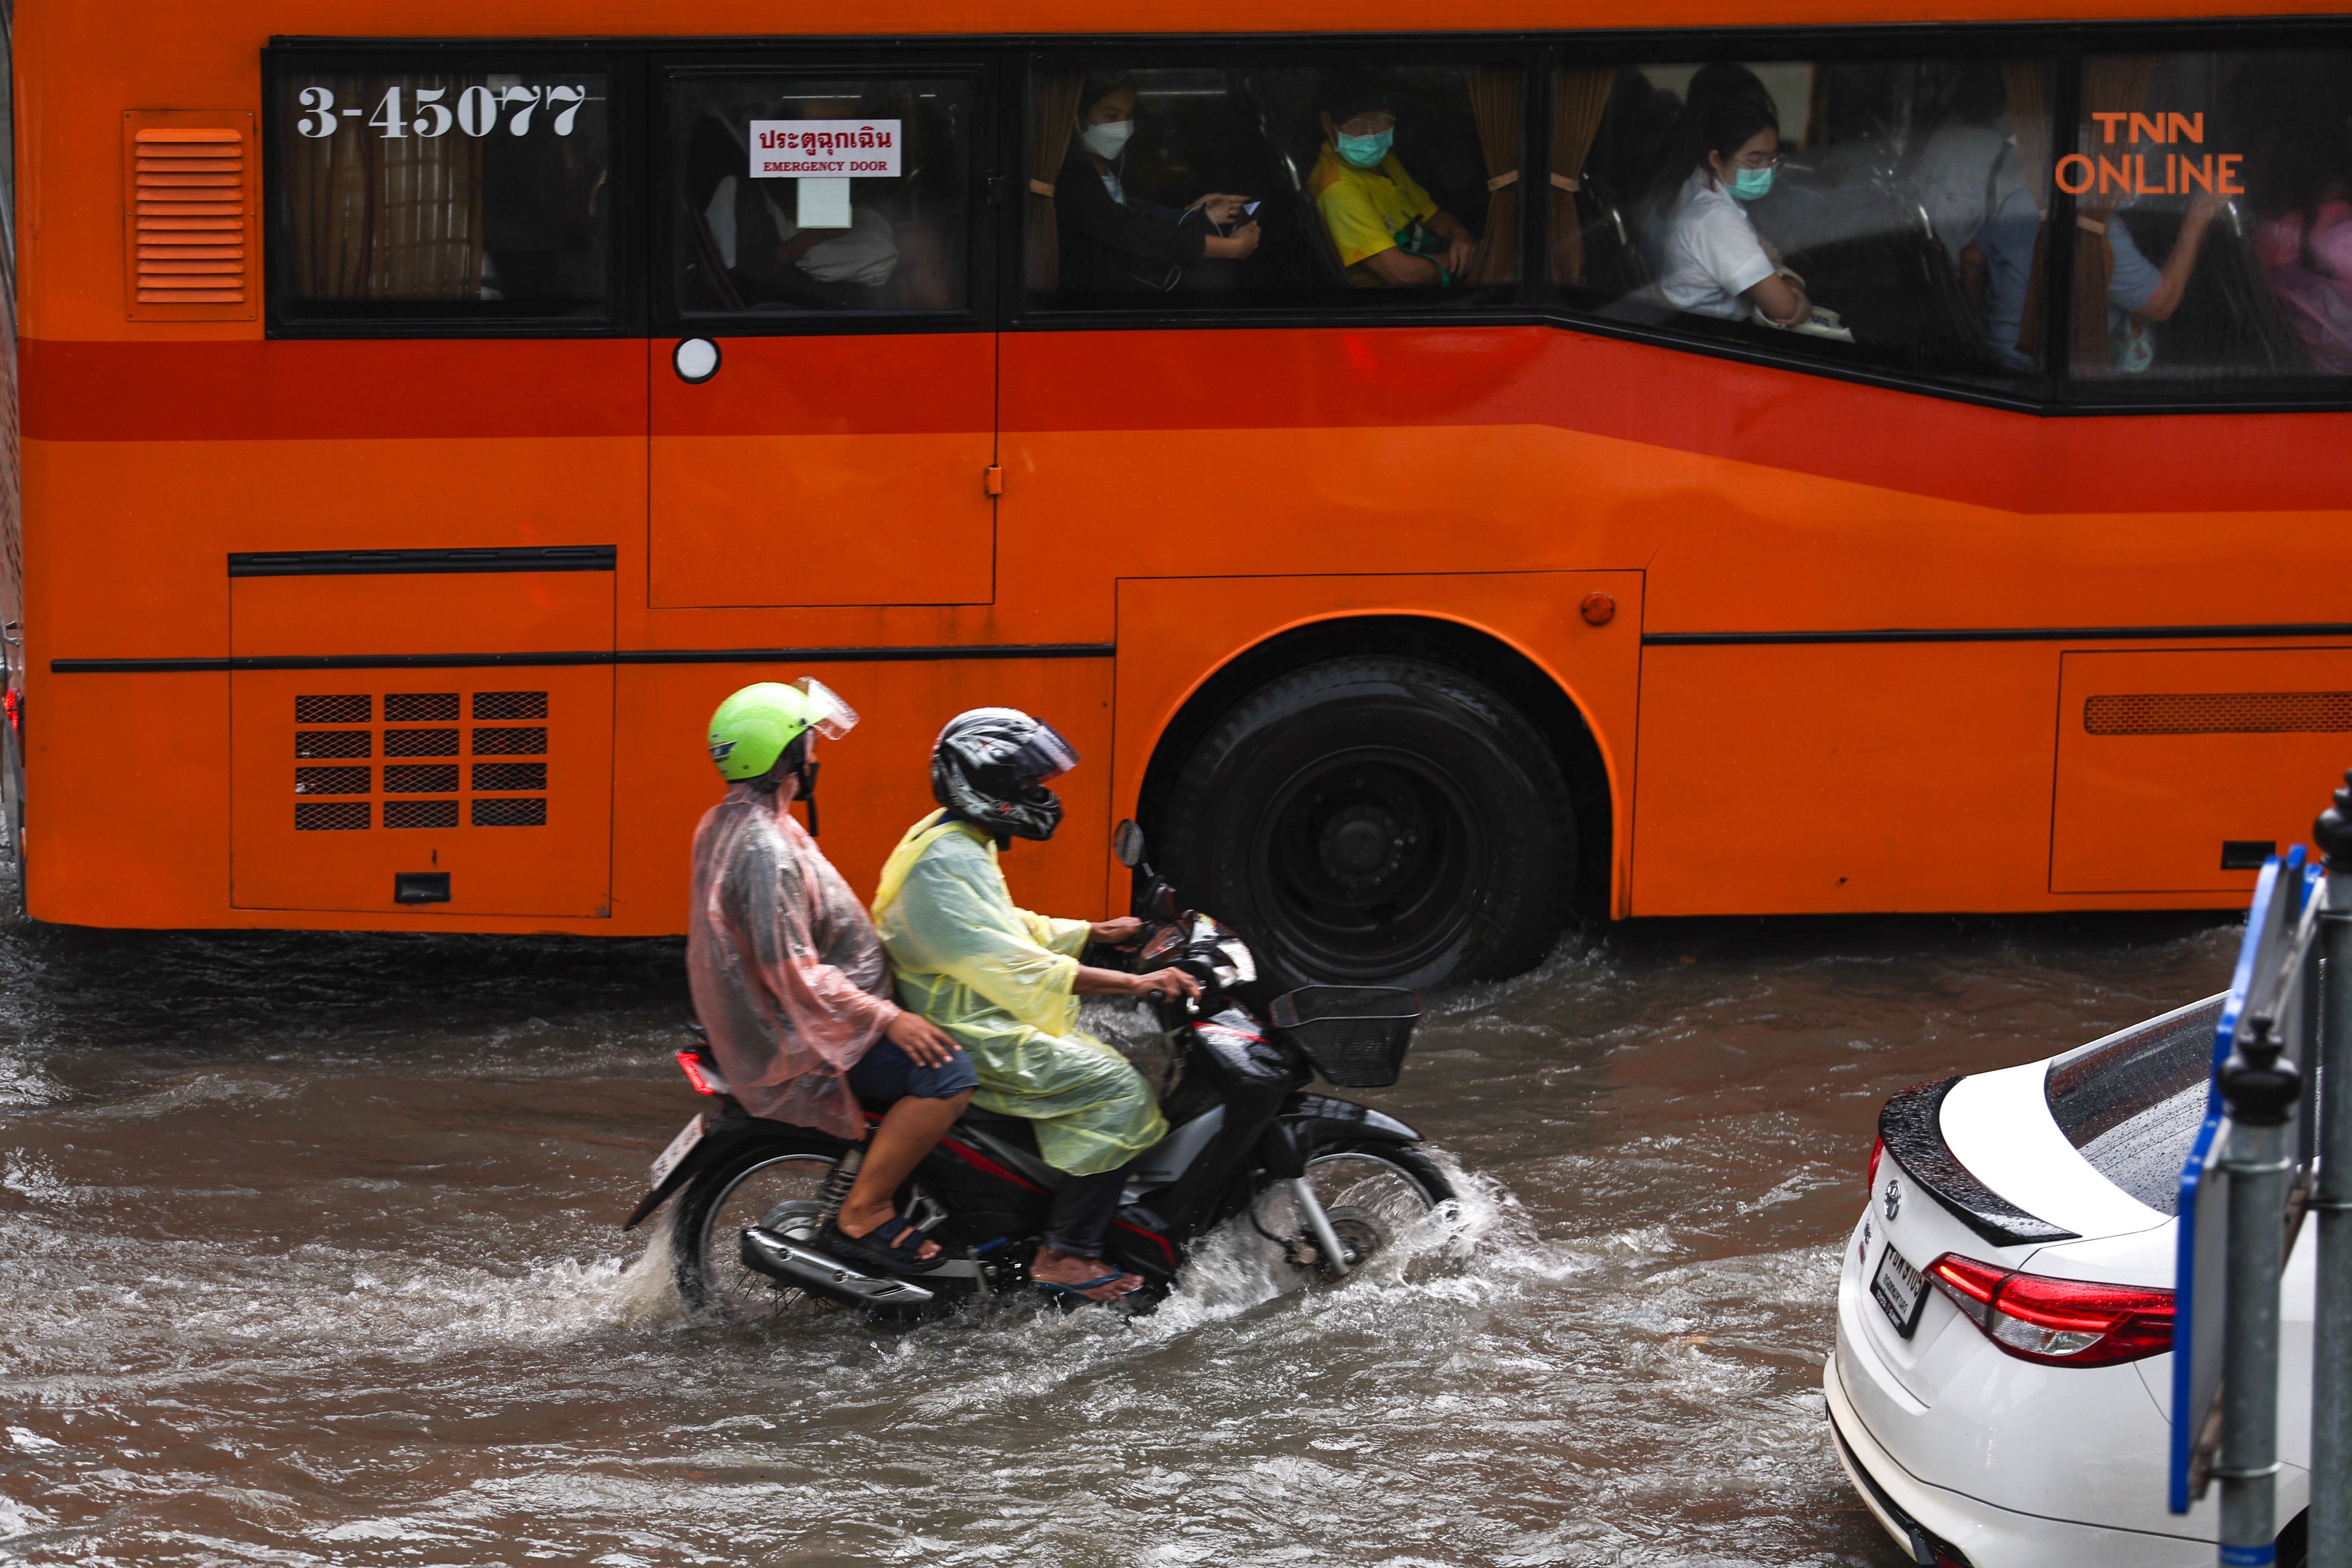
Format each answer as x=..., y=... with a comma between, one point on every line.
x=1332, y=1182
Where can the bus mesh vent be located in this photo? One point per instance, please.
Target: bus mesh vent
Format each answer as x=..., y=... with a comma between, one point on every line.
x=2218, y=713
x=340, y=710
x=420, y=742
x=414, y=707
x=510, y=775
x=420, y=814
x=490, y=797
x=188, y=189
x=331, y=780
x=509, y=705
x=333, y=744
x=515, y=743
x=422, y=778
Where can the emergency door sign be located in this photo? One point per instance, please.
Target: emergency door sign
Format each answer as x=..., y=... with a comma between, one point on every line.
x=824, y=149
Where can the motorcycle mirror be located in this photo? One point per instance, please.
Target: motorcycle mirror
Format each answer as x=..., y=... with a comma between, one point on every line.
x=1126, y=843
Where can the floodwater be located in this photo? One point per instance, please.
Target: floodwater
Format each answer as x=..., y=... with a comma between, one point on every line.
x=307, y=1255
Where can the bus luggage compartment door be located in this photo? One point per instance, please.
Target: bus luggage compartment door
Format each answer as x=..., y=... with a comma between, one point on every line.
x=843, y=470
x=450, y=791
x=2178, y=770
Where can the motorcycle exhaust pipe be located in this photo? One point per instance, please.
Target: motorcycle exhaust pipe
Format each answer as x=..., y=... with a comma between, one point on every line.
x=765, y=1252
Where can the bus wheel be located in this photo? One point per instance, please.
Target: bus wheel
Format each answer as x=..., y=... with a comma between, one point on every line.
x=1374, y=819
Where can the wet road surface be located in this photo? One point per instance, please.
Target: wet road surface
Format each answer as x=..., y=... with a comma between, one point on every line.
x=307, y=1256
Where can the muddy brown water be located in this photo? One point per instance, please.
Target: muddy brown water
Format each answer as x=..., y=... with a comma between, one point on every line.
x=307, y=1256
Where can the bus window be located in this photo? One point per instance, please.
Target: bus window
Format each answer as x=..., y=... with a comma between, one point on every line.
x=1165, y=187
x=1878, y=213
x=794, y=193
x=437, y=194
x=2214, y=192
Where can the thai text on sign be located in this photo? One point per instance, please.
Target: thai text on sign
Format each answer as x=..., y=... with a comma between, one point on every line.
x=824, y=149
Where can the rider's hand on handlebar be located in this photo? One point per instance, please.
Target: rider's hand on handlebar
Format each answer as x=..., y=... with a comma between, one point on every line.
x=1120, y=932
x=923, y=1041
x=1165, y=983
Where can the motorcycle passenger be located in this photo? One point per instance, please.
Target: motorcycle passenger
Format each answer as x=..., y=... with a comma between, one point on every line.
x=790, y=980
x=1006, y=983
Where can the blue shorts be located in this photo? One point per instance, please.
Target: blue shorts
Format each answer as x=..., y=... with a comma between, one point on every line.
x=887, y=1073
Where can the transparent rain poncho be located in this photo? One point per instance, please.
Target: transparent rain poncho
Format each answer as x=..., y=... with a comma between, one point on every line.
x=786, y=973
x=998, y=978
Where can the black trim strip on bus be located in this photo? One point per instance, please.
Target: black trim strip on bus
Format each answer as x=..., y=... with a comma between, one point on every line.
x=1911, y=1126
x=396, y=563
x=583, y=656
x=1997, y=634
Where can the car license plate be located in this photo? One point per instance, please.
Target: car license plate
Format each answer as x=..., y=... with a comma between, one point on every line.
x=1899, y=1289
x=679, y=1147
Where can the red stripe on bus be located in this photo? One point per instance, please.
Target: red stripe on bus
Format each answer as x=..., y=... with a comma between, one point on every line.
x=1874, y=436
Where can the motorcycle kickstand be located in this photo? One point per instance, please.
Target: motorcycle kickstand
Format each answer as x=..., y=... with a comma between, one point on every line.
x=1326, y=1240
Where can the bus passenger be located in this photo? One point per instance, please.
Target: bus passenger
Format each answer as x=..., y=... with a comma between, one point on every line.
x=1389, y=232
x=2302, y=195
x=1716, y=263
x=1112, y=241
x=1006, y=983
x=2138, y=291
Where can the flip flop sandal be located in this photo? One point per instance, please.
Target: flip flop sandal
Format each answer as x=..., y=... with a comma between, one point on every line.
x=1056, y=1288
x=892, y=1247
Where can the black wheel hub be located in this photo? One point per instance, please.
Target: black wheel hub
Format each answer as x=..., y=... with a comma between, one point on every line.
x=1366, y=855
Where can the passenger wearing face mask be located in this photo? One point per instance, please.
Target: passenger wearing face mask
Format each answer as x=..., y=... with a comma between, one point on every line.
x=1715, y=264
x=1113, y=241
x=1389, y=232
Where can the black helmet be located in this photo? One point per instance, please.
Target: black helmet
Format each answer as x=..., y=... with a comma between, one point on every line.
x=988, y=767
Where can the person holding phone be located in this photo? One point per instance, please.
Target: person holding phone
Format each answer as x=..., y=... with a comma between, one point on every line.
x=1113, y=241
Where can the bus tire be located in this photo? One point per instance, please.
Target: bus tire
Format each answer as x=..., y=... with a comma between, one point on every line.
x=1375, y=820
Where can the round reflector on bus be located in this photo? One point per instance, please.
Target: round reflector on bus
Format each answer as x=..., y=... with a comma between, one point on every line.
x=696, y=359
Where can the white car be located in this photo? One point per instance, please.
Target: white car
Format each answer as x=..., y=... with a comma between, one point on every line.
x=2001, y=1388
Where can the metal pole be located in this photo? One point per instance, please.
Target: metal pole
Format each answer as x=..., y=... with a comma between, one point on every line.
x=2331, y=1354
x=2261, y=1089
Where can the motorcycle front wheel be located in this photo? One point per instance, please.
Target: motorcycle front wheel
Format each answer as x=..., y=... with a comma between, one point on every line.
x=776, y=1183
x=1385, y=1200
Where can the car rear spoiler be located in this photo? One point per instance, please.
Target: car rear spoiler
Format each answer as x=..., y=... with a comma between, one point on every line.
x=1911, y=1126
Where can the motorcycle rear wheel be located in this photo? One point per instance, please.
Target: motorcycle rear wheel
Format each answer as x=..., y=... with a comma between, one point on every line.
x=776, y=1180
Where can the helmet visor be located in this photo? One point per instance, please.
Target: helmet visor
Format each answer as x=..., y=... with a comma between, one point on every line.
x=828, y=715
x=1045, y=754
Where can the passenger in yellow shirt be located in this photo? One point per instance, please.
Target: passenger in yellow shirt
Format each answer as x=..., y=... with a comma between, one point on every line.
x=1389, y=232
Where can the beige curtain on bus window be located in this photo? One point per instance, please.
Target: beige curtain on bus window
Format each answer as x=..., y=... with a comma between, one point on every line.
x=1579, y=97
x=1052, y=119
x=1495, y=94
x=2115, y=84
x=2028, y=86
x=379, y=217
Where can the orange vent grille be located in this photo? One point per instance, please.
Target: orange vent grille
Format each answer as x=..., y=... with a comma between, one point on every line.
x=189, y=197
x=2218, y=713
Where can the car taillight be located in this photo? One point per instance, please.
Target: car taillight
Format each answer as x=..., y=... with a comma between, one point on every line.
x=1877, y=1152
x=2058, y=1322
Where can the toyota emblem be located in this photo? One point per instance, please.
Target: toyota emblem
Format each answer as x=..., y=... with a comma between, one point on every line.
x=1893, y=1200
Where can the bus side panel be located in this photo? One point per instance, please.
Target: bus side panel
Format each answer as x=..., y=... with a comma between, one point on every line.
x=1810, y=779
x=1175, y=633
x=127, y=794
x=873, y=784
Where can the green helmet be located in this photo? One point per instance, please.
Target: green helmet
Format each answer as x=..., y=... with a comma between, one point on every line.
x=753, y=728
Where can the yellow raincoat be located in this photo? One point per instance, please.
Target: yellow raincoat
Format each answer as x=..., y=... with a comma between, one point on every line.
x=998, y=979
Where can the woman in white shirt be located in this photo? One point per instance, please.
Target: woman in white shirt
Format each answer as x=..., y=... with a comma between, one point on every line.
x=1715, y=262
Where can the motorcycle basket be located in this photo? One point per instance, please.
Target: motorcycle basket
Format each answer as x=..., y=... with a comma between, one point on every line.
x=1355, y=1034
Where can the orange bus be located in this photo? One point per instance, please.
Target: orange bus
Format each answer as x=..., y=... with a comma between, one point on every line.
x=1793, y=462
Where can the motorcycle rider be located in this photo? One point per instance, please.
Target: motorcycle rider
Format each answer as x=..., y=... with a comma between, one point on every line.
x=791, y=982
x=1006, y=983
